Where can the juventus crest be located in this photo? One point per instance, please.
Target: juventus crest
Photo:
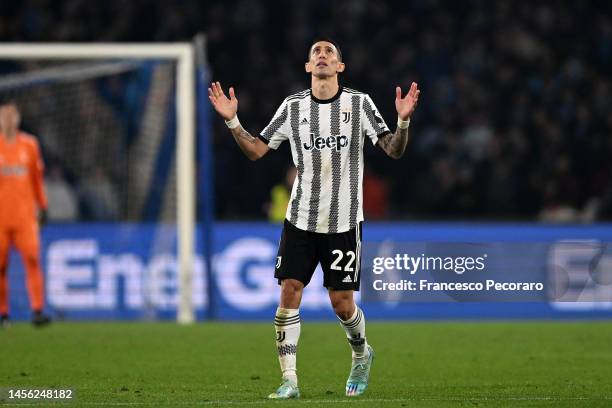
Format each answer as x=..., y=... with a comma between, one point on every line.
x=346, y=117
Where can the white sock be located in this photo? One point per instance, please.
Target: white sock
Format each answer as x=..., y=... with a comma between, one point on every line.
x=287, y=326
x=355, y=333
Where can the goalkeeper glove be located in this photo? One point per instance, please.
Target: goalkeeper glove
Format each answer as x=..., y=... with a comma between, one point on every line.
x=42, y=216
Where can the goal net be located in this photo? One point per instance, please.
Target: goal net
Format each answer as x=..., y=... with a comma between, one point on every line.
x=116, y=127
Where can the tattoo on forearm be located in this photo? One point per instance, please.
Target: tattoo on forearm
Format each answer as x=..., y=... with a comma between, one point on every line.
x=395, y=145
x=240, y=133
x=247, y=143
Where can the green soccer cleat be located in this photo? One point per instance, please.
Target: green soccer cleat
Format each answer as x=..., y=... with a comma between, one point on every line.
x=358, y=378
x=287, y=390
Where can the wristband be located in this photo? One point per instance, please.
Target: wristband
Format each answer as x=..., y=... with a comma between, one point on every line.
x=233, y=122
x=403, y=124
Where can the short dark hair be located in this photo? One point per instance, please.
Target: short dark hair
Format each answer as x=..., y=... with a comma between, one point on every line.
x=329, y=40
x=8, y=101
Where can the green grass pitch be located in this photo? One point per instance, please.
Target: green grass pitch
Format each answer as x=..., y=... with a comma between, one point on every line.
x=234, y=364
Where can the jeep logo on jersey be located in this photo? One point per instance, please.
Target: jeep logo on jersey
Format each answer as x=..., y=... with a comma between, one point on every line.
x=332, y=142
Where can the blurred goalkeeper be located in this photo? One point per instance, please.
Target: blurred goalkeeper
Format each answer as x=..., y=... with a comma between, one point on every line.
x=326, y=126
x=23, y=205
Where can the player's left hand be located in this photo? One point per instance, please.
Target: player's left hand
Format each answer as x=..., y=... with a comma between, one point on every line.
x=42, y=217
x=406, y=105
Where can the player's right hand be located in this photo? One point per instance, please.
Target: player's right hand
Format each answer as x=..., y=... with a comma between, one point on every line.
x=226, y=107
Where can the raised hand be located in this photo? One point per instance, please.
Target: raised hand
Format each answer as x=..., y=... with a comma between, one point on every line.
x=226, y=107
x=405, y=106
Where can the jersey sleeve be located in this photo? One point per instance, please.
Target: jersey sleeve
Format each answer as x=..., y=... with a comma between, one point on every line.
x=374, y=125
x=278, y=129
x=37, y=173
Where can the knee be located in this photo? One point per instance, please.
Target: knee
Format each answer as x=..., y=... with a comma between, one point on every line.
x=3, y=267
x=343, y=307
x=291, y=293
x=32, y=261
x=291, y=286
x=30, y=255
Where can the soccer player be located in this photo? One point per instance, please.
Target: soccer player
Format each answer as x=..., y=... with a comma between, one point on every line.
x=326, y=126
x=22, y=201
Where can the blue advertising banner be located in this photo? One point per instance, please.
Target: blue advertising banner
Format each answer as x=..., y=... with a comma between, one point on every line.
x=129, y=271
x=562, y=271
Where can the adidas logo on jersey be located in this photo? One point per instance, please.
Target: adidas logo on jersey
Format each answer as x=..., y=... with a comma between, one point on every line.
x=331, y=142
x=347, y=279
x=304, y=121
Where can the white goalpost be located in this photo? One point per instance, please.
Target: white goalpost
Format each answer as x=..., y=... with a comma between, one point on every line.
x=183, y=55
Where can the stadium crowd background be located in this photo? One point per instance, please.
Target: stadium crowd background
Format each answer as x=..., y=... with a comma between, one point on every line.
x=514, y=120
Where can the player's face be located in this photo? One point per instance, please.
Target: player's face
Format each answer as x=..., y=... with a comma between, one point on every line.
x=324, y=61
x=9, y=118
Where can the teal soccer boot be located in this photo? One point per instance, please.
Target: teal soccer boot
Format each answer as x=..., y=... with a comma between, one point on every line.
x=359, y=376
x=287, y=390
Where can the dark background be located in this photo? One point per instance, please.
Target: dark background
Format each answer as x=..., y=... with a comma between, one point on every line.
x=514, y=119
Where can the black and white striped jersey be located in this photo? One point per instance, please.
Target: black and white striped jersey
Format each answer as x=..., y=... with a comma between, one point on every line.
x=326, y=138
